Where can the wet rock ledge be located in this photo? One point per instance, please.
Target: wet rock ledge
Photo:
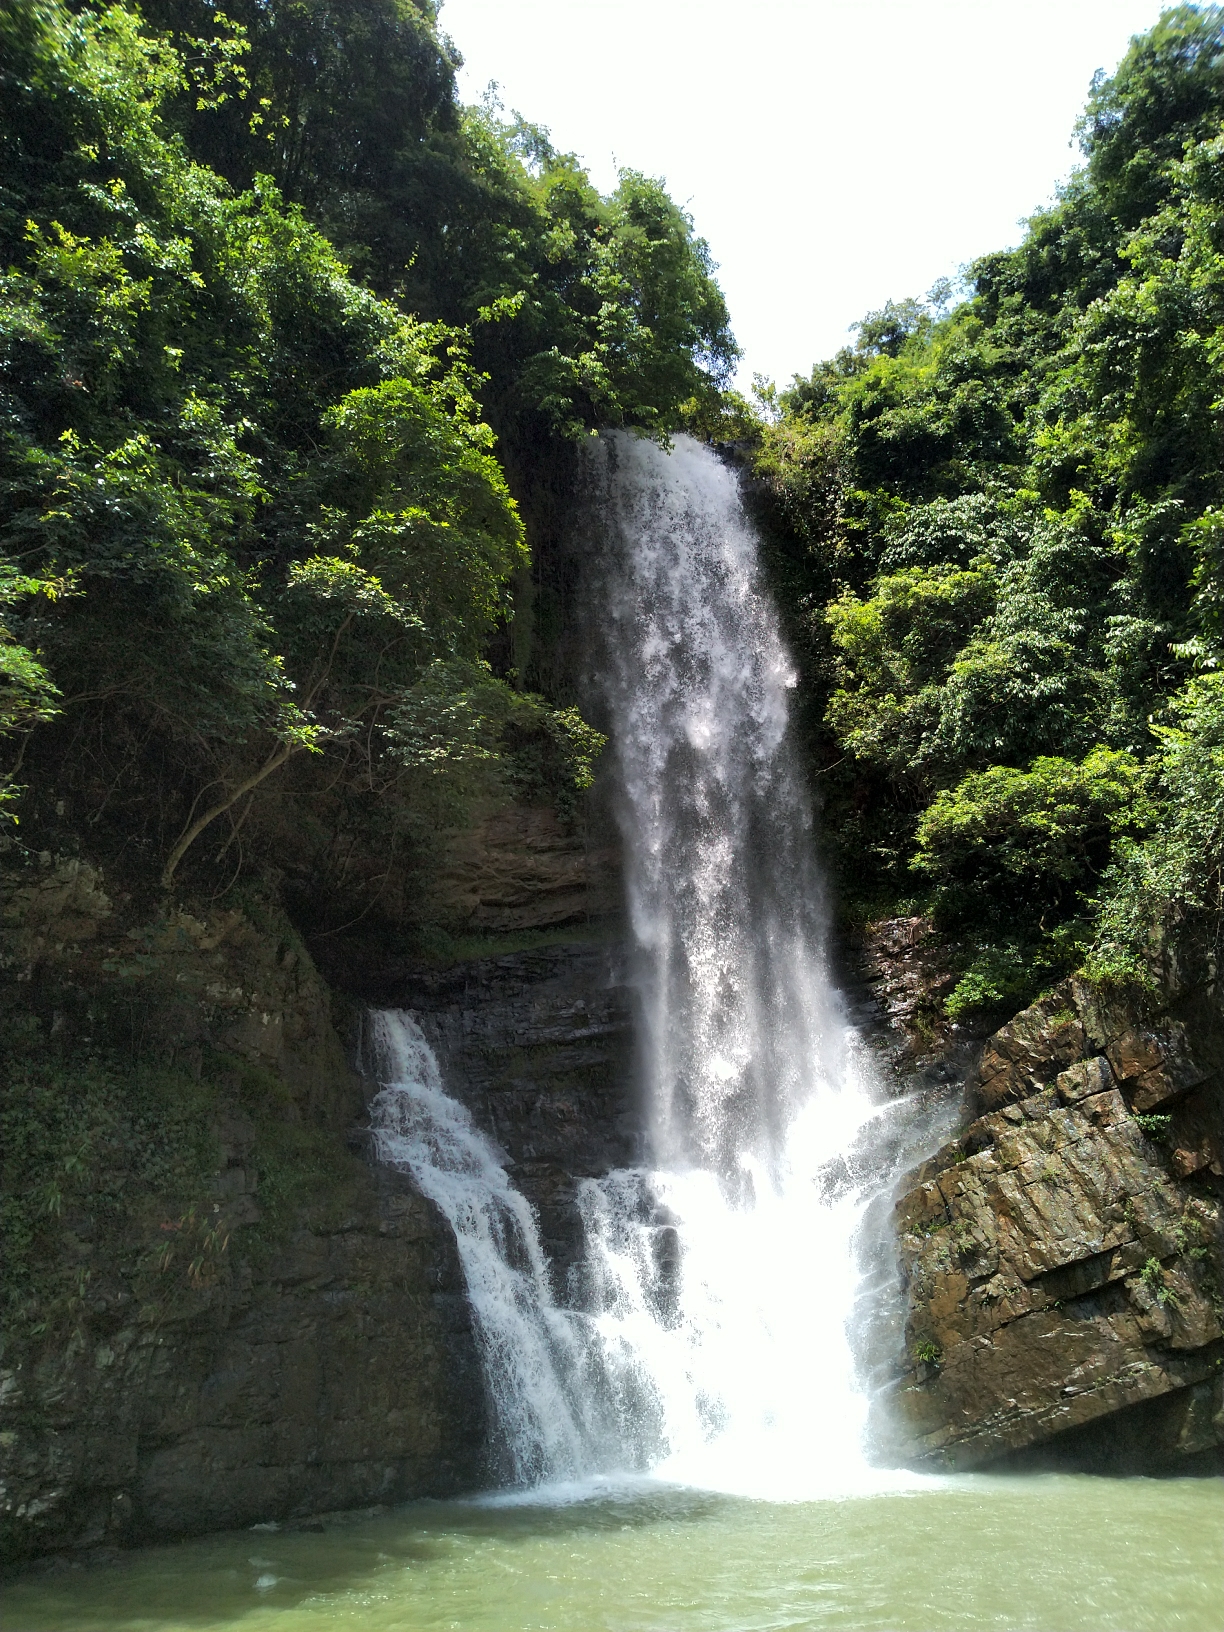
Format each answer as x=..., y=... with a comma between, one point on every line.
x=539, y=1046
x=1063, y=1260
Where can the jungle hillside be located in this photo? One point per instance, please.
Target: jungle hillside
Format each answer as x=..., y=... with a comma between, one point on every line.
x=997, y=522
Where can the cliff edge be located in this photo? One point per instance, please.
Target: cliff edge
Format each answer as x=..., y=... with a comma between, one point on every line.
x=1062, y=1261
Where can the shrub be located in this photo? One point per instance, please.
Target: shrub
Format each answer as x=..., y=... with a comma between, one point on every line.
x=1005, y=842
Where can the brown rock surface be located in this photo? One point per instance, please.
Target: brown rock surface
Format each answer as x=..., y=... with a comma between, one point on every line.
x=908, y=968
x=1064, y=1258
x=340, y=1372
x=523, y=868
x=322, y=1357
x=221, y=1358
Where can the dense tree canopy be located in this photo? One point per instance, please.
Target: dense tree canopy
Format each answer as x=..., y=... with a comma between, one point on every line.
x=582, y=309
x=268, y=292
x=998, y=533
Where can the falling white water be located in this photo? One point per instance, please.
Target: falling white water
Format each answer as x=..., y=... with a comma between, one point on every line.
x=742, y=1023
x=714, y=1345
x=724, y=1280
x=530, y=1350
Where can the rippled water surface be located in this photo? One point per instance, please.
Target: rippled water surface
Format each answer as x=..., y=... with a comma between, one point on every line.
x=1052, y=1552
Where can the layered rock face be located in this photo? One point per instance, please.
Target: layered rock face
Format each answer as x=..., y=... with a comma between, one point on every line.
x=338, y=1373
x=539, y=1046
x=213, y=1356
x=522, y=868
x=1063, y=1260
x=226, y=1356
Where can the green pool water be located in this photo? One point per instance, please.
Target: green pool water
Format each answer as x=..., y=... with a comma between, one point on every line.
x=1055, y=1552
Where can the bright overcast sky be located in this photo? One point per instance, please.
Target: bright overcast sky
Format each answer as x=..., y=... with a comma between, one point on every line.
x=835, y=153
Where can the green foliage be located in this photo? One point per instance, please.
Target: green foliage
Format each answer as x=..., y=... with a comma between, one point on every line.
x=1156, y=1127
x=82, y=1140
x=1006, y=841
x=928, y=1353
x=1001, y=977
x=27, y=693
x=1173, y=882
x=1191, y=1235
x=1153, y=1277
x=895, y=653
x=583, y=310
x=460, y=723
x=1015, y=858
x=1000, y=528
x=1166, y=91
x=251, y=508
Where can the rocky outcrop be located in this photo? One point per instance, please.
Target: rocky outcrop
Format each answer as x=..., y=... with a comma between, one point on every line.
x=339, y=1372
x=523, y=868
x=539, y=1046
x=290, y=1333
x=899, y=973
x=1063, y=1260
x=227, y=1316
x=909, y=971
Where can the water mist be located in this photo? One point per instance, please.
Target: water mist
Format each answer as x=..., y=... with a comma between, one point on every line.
x=713, y=1347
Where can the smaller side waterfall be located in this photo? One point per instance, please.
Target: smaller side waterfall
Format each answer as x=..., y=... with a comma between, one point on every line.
x=532, y=1352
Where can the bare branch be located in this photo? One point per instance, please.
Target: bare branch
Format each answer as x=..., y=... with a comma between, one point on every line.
x=187, y=838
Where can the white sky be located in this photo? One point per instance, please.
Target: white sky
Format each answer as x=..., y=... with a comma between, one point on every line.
x=835, y=153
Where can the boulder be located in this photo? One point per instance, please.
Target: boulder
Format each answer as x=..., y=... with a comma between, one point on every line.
x=1064, y=1258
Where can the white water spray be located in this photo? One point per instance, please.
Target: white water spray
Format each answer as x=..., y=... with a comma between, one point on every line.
x=531, y=1351
x=714, y=1349
x=726, y=1279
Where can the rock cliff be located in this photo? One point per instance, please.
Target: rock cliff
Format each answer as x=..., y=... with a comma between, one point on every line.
x=539, y=1046
x=1063, y=1259
x=218, y=1313
x=226, y=1315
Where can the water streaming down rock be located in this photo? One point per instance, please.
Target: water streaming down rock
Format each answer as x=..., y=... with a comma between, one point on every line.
x=742, y=1024
x=724, y=1279
x=533, y=1353
x=713, y=1345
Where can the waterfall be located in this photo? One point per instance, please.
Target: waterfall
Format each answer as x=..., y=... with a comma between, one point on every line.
x=530, y=1350
x=713, y=1346
x=742, y=1023
x=725, y=1278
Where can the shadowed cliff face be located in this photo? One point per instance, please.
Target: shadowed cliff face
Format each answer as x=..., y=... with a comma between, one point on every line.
x=539, y=1046
x=226, y=1316
x=272, y=1327
x=338, y=1372
x=1063, y=1260
x=524, y=869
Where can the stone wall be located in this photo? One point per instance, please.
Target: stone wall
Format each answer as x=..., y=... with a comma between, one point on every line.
x=1063, y=1260
x=221, y=1358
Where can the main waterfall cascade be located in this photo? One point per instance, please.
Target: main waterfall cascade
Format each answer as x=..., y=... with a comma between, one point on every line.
x=721, y=1285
